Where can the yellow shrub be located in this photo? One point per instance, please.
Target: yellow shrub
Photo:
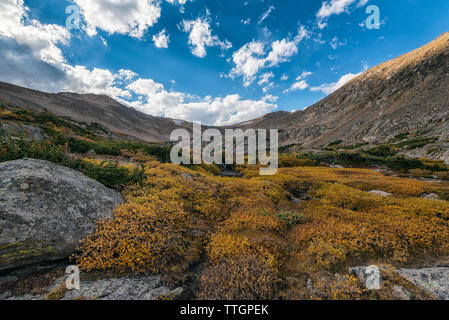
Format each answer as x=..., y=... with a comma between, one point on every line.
x=224, y=246
x=338, y=288
x=244, y=278
x=346, y=197
x=137, y=240
x=179, y=215
x=334, y=237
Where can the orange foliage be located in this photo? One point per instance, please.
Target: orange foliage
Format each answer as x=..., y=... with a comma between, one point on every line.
x=249, y=235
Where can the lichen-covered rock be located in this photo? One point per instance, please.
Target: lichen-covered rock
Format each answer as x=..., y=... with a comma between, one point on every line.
x=433, y=280
x=46, y=209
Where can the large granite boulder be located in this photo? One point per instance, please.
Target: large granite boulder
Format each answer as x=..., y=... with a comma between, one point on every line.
x=46, y=209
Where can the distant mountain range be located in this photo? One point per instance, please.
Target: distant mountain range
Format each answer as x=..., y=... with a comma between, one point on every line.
x=407, y=94
x=91, y=108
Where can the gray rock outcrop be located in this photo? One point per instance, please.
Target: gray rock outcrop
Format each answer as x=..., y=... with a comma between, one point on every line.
x=142, y=288
x=146, y=288
x=433, y=280
x=401, y=293
x=29, y=132
x=46, y=209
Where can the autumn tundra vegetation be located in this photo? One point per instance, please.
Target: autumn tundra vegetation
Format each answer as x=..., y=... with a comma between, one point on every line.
x=250, y=237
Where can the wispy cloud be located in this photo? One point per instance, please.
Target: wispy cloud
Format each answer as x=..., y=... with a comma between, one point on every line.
x=266, y=15
x=335, y=7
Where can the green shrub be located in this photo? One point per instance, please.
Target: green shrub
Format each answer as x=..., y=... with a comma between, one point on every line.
x=291, y=218
x=415, y=143
x=335, y=143
x=110, y=174
x=44, y=150
x=381, y=151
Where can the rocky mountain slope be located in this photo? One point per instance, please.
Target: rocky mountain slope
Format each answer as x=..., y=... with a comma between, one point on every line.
x=91, y=108
x=407, y=94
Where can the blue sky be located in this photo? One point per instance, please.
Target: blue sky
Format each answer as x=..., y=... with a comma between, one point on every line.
x=218, y=62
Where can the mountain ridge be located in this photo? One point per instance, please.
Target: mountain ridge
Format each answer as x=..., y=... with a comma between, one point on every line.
x=407, y=94
x=378, y=104
x=93, y=108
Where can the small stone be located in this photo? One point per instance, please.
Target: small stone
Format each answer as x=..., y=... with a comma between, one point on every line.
x=157, y=293
x=295, y=200
x=187, y=176
x=431, y=196
x=370, y=276
x=336, y=166
x=309, y=284
x=373, y=278
x=380, y=193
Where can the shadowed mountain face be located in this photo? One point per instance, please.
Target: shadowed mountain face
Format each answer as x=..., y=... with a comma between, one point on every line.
x=91, y=108
x=409, y=93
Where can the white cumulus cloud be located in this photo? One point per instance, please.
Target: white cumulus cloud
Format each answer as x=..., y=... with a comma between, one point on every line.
x=200, y=37
x=253, y=56
x=265, y=78
x=154, y=99
x=161, y=39
x=128, y=17
x=42, y=39
x=329, y=88
x=31, y=57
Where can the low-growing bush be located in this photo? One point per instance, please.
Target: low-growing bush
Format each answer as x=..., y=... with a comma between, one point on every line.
x=289, y=161
x=381, y=151
x=110, y=174
x=415, y=143
x=243, y=278
x=291, y=218
x=138, y=239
